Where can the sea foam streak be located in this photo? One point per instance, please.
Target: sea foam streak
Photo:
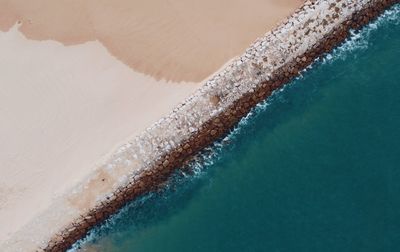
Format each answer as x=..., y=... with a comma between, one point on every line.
x=146, y=209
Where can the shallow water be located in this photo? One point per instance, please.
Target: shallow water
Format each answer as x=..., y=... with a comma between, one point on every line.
x=314, y=168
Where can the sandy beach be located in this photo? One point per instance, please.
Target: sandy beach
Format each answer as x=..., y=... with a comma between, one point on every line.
x=78, y=78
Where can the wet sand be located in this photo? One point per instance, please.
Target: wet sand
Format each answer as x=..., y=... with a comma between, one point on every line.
x=79, y=77
x=179, y=40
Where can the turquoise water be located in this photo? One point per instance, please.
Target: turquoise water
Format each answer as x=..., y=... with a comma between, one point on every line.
x=314, y=168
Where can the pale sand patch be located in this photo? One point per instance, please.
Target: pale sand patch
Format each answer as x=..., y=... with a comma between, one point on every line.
x=61, y=110
x=172, y=39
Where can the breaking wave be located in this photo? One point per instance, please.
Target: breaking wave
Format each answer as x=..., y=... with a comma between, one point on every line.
x=186, y=181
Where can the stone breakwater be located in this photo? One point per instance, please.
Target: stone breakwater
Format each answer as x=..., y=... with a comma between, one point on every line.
x=146, y=162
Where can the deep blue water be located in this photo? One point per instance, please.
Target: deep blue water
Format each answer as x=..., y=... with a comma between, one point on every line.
x=314, y=168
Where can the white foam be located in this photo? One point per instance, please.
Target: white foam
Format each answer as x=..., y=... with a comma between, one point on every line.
x=357, y=41
x=360, y=40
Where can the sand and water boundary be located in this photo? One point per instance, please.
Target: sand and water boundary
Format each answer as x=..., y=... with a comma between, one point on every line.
x=146, y=162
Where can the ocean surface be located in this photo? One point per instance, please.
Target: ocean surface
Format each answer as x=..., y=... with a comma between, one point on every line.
x=316, y=167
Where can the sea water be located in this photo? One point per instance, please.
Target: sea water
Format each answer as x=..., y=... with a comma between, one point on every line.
x=316, y=167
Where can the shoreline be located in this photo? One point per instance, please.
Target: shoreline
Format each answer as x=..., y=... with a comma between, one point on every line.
x=211, y=112
x=63, y=110
x=217, y=125
x=79, y=80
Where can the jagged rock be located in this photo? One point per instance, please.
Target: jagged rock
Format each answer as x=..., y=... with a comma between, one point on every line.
x=166, y=163
x=268, y=64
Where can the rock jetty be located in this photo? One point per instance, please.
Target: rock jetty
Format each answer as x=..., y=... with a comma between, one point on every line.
x=146, y=162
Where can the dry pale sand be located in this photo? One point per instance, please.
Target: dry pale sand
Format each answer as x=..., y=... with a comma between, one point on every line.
x=62, y=109
x=79, y=77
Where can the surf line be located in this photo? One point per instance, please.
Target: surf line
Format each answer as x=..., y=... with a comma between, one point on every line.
x=212, y=111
